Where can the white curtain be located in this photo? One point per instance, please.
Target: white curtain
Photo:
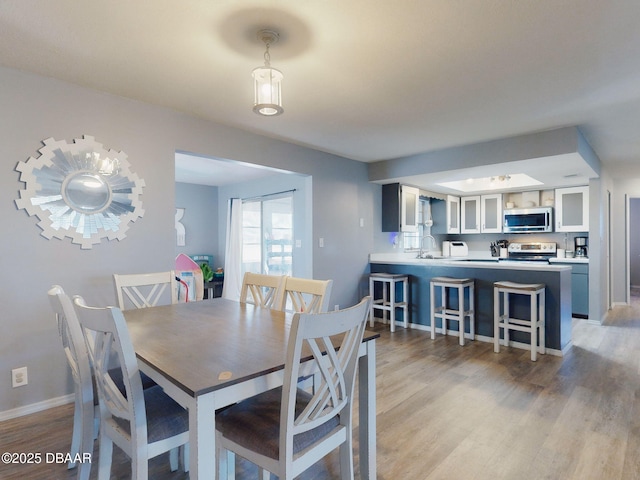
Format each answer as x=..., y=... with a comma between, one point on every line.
x=233, y=252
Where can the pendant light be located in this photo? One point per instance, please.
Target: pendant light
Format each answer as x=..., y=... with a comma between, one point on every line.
x=267, y=80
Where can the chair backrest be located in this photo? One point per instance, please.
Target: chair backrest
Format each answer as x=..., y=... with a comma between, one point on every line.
x=336, y=364
x=75, y=347
x=112, y=340
x=145, y=289
x=72, y=340
x=305, y=295
x=262, y=290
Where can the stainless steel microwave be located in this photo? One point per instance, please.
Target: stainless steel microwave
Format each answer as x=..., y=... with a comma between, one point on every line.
x=528, y=220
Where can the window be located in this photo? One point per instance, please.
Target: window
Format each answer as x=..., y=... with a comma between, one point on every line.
x=267, y=235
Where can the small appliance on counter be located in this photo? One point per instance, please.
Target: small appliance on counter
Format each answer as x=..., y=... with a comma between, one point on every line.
x=581, y=247
x=454, y=249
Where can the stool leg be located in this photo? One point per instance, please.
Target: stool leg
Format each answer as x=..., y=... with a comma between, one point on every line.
x=496, y=320
x=534, y=326
x=385, y=299
x=472, y=310
x=392, y=304
x=373, y=297
x=433, y=310
x=505, y=316
x=543, y=323
x=461, y=313
x=444, y=310
x=405, y=299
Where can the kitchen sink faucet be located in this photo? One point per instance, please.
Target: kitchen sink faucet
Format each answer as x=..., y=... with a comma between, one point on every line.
x=427, y=254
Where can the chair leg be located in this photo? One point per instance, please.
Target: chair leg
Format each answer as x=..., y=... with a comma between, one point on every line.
x=346, y=460
x=174, y=459
x=106, y=453
x=184, y=449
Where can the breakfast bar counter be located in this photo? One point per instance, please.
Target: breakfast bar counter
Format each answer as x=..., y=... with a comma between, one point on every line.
x=486, y=271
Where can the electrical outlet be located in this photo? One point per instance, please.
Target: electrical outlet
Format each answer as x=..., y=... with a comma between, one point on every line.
x=19, y=377
x=336, y=307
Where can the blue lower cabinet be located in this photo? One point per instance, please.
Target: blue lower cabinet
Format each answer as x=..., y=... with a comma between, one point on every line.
x=580, y=290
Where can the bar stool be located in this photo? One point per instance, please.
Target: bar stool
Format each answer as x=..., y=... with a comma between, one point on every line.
x=442, y=311
x=535, y=292
x=388, y=302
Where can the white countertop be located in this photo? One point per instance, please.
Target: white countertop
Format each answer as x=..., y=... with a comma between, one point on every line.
x=473, y=260
x=569, y=260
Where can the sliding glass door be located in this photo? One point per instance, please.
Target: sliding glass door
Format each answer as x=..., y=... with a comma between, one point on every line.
x=267, y=235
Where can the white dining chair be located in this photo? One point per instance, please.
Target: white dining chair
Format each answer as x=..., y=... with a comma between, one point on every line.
x=86, y=412
x=305, y=295
x=286, y=430
x=142, y=422
x=262, y=290
x=141, y=290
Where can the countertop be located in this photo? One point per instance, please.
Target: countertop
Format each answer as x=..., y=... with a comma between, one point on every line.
x=569, y=260
x=473, y=260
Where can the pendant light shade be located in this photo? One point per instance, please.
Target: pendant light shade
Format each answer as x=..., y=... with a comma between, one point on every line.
x=267, y=81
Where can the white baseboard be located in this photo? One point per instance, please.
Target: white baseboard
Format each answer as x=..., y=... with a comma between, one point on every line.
x=36, y=407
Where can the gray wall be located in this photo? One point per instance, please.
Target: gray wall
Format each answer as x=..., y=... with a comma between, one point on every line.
x=200, y=219
x=35, y=108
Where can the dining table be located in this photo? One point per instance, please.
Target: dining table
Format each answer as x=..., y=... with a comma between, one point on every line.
x=213, y=353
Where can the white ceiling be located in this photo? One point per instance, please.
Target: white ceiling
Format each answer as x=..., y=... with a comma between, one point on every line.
x=367, y=80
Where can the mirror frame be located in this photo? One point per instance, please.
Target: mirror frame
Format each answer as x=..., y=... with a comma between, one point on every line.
x=80, y=190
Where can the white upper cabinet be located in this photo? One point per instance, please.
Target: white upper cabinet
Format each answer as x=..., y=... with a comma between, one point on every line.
x=409, y=211
x=491, y=213
x=470, y=214
x=572, y=209
x=481, y=214
x=453, y=214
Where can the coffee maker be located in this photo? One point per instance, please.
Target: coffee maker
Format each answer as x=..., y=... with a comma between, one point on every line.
x=581, y=247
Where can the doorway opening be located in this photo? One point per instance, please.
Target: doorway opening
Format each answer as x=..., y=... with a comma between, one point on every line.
x=633, y=254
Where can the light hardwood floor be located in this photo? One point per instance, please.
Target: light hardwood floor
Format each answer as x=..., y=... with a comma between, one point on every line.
x=450, y=412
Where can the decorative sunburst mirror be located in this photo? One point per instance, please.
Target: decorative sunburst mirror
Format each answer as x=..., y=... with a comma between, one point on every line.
x=80, y=190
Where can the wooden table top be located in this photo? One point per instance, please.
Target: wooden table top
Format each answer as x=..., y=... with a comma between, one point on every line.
x=208, y=345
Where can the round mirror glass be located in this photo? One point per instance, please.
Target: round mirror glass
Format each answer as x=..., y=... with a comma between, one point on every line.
x=86, y=192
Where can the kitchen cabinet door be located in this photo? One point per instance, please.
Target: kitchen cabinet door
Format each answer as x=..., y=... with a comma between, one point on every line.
x=470, y=214
x=453, y=214
x=580, y=290
x=572, y=209
x=491, y=213
x=410, y=198
x=400, y=208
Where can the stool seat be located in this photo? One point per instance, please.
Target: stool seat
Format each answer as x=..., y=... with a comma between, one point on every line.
x=443, y=310
x=389, y=303
x=454, y=281
x=502, y=319
x=528, y=287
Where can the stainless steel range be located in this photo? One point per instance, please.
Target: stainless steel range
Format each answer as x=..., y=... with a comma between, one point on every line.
x=531, y=251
